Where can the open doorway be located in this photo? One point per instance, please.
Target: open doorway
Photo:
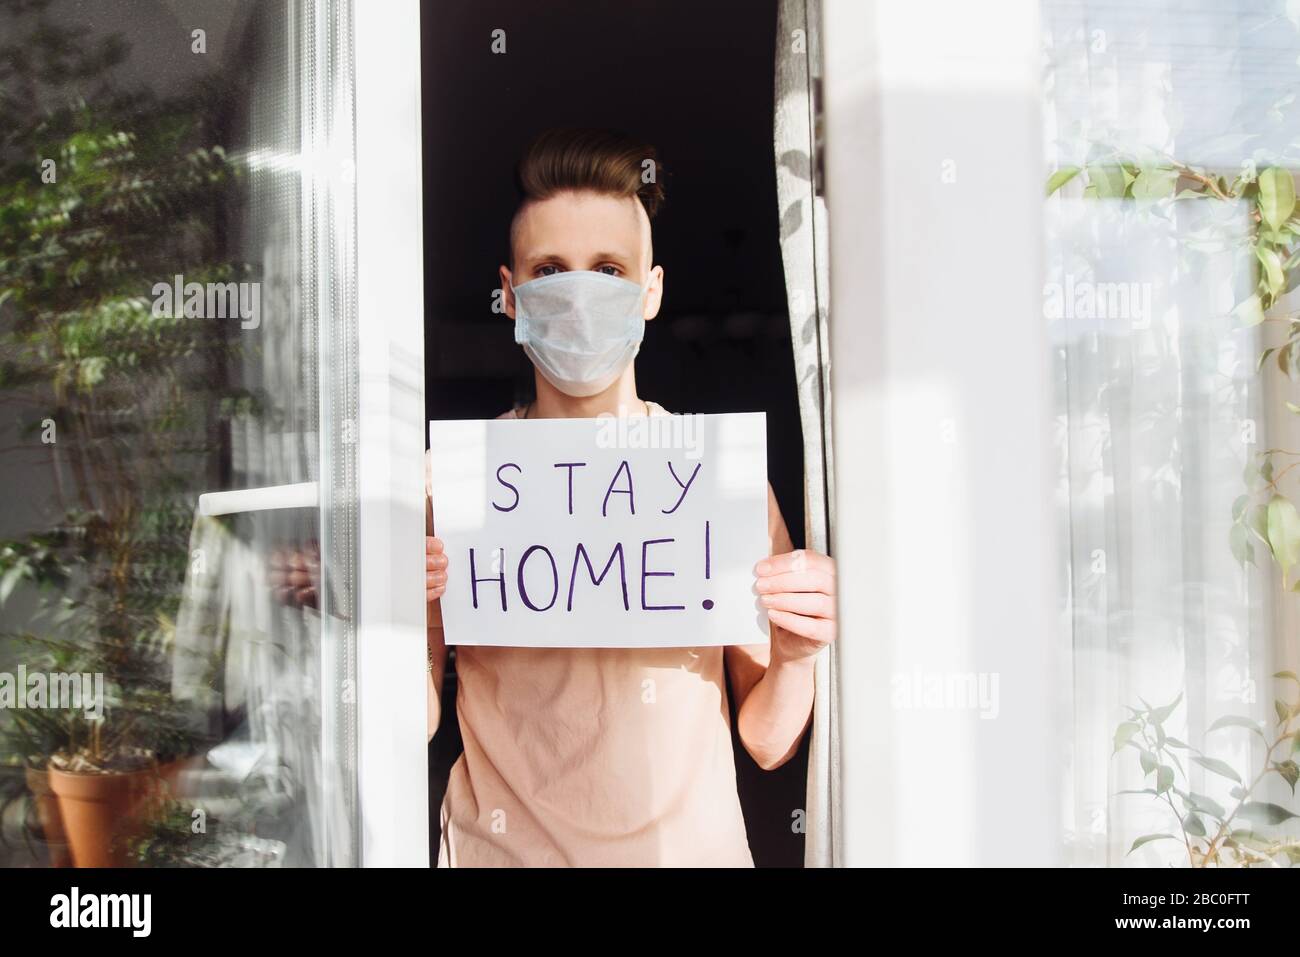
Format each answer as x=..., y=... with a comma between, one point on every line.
x=696, y=81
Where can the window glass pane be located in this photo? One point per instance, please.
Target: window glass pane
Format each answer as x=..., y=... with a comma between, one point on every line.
x=1173, y=143
x=178, y=321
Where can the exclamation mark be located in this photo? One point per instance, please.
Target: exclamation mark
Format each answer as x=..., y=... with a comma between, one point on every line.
x=708, y=602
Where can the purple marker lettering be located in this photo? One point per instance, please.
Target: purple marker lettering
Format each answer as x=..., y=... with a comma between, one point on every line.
x=570, y=466
x=474, y=579
x=555, y=577
x=501, y=508
x=645, y=546
x=581, y=552
x=631, y=503
x=685, y=488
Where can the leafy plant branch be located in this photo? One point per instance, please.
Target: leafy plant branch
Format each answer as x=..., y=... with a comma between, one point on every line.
x=1220, y=844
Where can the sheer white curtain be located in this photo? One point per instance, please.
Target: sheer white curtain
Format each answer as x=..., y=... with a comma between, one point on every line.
x=1160, y=407
x=804, y=257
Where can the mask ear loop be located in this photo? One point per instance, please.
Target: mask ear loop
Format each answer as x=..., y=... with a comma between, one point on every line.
x=520, y=338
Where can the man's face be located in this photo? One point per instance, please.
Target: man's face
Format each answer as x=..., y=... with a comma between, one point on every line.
x=583, y=231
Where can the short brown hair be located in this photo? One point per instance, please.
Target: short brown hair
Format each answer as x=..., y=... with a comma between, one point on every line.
x=603, y=161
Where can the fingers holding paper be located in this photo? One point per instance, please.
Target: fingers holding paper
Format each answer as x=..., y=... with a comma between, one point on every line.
x=798, y=591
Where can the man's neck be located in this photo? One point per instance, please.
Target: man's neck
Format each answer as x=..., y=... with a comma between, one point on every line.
x=619, y=399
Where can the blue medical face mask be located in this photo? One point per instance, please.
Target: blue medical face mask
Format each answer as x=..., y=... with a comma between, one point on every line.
x=580, y=329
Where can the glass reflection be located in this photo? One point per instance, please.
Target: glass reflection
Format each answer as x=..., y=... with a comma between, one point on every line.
x=170, y=680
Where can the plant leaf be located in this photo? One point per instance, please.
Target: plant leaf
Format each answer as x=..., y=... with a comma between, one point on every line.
x=9, y=581
x=1147, y=760
x=1234, y=721
x=1250, y=312
x=1148, y=838
x=1257, y=518
x=1252, y=840
x=1160, y=714
x=1109, y=182
x=1124, y=733
x=1207, y=805
x=1262, y=812
x=1153, y=184
x=1221, y=768
x=1290, y=772
x=1274, y=278
x=1276, y=196
x=1061, y=177
x=1284, y=533
x=1240, y=545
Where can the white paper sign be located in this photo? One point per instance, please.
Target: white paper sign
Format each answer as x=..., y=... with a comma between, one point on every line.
x=602, y=533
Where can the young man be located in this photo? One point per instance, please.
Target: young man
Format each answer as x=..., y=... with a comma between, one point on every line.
x=566, y=761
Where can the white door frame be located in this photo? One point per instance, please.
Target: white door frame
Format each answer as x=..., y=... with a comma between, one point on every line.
x=393, y=773
x=939, y=376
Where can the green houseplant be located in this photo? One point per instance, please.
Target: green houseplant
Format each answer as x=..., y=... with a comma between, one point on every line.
x=1214, y=834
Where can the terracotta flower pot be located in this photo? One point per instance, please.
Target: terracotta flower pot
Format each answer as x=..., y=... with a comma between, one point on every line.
x=47, y=812
x=100, y=811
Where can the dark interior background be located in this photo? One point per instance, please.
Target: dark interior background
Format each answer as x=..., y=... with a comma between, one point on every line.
x=695, y=80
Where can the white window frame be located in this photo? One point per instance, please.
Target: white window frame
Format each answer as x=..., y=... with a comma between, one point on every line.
x=944, y=548
x=391, y=669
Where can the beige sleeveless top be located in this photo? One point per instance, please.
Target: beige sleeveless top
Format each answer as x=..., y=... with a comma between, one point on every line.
x=597, y=757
